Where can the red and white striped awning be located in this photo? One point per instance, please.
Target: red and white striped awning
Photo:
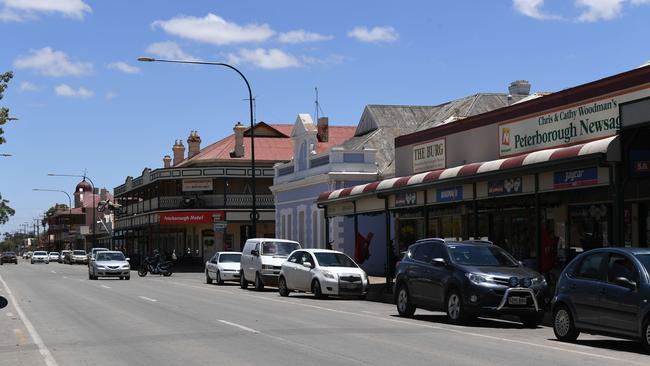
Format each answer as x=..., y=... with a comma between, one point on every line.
x=594, y=147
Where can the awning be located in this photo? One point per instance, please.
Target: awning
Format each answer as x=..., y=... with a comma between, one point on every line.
x=601, y=146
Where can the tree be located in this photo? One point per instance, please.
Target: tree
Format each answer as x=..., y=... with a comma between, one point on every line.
x=5, y=210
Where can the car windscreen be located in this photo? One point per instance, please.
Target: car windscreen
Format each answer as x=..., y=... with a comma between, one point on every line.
x=481, y=256
x=229, y=258
x=279, y=248
x=103, y=256
x=79, y=252
x=40, y=253
x=334, y=260
x=645, y=260
x=8, y=253
x=54, y=253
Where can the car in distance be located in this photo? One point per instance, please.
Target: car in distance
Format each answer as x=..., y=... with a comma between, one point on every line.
x=8, y=257
x=63, y=255
x=40, y=256
x=78, y=256
x=54, y=256
x=109, y=264
x=27, y=255
x=468, y=279
x=322, y=272
x=261, y=260
x=604, y=291
x=223, y=266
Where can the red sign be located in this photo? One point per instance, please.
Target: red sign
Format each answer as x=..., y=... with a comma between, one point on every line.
x=191, y=217
x=642, y=166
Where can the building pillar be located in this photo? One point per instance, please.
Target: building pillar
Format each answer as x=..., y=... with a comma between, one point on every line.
x=538, y=225
x=328, y=244
x=389, y=251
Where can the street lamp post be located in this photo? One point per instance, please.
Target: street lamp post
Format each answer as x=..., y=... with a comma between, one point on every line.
x=250, y=102
x=69, y=206
x=93, y=193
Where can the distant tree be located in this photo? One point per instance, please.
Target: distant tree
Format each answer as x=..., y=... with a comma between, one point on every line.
x=5, y=210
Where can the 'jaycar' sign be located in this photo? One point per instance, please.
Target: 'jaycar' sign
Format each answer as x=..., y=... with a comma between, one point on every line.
x=575, y=178
x=449, y=194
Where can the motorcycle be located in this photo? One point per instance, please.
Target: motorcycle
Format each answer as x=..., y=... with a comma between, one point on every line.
x=163, y=268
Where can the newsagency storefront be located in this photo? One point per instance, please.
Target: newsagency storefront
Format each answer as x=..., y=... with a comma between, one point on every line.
x=546, y=179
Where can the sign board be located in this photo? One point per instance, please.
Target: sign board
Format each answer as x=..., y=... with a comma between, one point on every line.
x=220, y=226
x=502, y=187
x=197, y=185
x=406, y=199
x=587, y=121
x=575, y=178
x=639, y=163
x=429, y=156
x=191, y=217
x=340, y=209
x=449, y=194
x=84, y=230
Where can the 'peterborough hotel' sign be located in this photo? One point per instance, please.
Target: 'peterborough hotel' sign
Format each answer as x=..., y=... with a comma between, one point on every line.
x=584, y=122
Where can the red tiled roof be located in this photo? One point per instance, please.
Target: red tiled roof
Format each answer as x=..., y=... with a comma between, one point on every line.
x=269, y=149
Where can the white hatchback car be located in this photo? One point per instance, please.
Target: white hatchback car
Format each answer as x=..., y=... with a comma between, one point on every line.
x=322, y=272
x=223, y=266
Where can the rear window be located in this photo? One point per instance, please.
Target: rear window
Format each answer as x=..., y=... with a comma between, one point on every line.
x=229, y=258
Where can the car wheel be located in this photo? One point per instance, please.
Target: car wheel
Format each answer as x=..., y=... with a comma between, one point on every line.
x=282, y=287
x=531, y=320
x=563, y=325
x=219, y=280
x=259, y=285
x=317, y=290
x=646, y=334
x=243, y=284
x=208, y=280
x=455, y=312
x=404, y=306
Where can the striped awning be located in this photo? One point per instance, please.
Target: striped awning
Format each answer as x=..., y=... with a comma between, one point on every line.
x=563, y=153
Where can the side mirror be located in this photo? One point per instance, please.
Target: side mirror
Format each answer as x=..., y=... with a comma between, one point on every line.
x=440, y=262
x=308, y=264
x=128, y=259
x=255, y=252
x=624, y=282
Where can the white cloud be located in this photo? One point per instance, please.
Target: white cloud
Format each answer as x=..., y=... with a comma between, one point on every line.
x=329, y=60
x=302, y=36
x=124, y=67
x=376, y=34
x=19, y=10
x=65, y=90
x=26, y=86
x=599, y=9
x=169, y=50
x=52, y=63
x=110, y=95
x=265, y=59
x=532, y=8
x=214, y=30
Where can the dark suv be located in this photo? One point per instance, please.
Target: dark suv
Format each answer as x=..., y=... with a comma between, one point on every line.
x=605, y=291
x=467, y=279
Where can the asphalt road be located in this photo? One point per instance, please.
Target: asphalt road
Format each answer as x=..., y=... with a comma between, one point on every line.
x=56, y=316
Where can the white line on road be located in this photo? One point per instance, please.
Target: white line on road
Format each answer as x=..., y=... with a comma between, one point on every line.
x=369, y=312
x=147, y=298
x=47, y=356
x=66, y=277
x=239, y=326
x=53, y=272
x=104, y=286
x=10, y=314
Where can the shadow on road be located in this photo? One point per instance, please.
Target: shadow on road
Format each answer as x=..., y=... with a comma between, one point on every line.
x=621, y=345
x=476, y=323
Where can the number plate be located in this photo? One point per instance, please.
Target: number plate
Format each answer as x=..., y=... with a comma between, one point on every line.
x=350, y=286
x=516, y=300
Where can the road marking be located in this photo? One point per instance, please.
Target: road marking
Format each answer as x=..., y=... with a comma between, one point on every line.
x=369, y=312
x=66, y=277
x=239, y=326
x=53, y=272
x=147, y=298
x=10, y=314
x=104, y=286
x=47, y=356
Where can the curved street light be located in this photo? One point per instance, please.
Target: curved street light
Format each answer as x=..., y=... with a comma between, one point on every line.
x=250, y=101
x=69, y=204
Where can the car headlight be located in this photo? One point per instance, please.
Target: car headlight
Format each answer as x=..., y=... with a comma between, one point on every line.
x=365, y=276
x=126, y=266
x=539, y=280
x=479, y=279
x=328, y=274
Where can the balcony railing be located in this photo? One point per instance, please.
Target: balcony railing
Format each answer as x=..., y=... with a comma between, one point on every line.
x=200, y=202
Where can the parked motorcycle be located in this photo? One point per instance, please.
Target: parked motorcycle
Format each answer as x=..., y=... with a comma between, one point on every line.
x=163, y=268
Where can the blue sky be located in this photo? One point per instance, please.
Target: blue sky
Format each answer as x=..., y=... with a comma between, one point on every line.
x=84, y=102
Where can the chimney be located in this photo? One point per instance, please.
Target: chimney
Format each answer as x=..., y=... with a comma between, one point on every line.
x=239, y=141
x=193, y=144
x=167, y=161
x=323, y=129
x=179, y=152
x=519, y=87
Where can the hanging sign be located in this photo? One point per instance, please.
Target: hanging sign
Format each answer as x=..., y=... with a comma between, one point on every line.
x=197, y=185
x=575, y=178
x=449, y=194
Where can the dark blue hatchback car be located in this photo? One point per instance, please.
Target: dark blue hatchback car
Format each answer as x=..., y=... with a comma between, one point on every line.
x=605, y=291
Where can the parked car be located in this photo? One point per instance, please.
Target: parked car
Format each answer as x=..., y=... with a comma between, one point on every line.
x=223, y=266
x=78, y=256
x=93, y=252
x=8, y=257
x=604, y=291
x=322, y=272
x=468, y=279
x=54, y=256
x=64, y=253
x=261, y=260
x=109, y=264
x=27, y=255
x=40, y=256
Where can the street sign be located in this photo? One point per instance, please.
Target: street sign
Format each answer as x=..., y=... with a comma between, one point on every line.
x=220, y=226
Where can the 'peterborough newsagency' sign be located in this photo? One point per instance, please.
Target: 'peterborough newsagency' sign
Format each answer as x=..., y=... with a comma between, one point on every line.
x=429, y=156
x=579, y=123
